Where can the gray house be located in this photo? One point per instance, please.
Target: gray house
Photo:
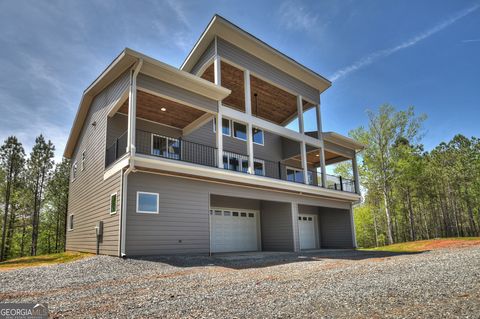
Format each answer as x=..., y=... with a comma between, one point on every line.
x=202, y=159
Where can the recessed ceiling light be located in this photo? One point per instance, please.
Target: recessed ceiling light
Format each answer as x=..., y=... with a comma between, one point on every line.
x=317, y=155
x=163, y=109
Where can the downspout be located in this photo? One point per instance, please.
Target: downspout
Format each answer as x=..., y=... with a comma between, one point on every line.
x=131, y=149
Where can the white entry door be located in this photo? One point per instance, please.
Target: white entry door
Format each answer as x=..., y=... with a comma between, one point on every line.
x=306, y=229
x=233, y=230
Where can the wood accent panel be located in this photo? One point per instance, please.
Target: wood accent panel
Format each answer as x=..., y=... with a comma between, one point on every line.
x=149, y=108
x=271, y=103
x=232, y=78
x=312, y=157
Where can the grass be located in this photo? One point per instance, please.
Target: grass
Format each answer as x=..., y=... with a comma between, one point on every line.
x=42, y=260
x=425, y=245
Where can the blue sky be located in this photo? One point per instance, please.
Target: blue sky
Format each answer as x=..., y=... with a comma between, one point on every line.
x=420, y=53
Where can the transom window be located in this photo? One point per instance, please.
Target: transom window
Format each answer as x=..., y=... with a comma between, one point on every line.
x=165, y=146
x=226, y=126
x=147, y=203
x=240, y=131
x=257, y=136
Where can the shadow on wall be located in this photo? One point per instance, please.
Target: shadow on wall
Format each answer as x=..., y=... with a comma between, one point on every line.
x=265, y=259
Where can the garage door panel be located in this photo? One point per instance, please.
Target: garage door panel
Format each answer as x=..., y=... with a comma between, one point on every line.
x=233, y=230
x=306, y=230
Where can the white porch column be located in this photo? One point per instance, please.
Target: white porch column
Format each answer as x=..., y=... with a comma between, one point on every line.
x=356, y=178
x=352, y=225
x=219, y=139
x=301, y=127
x=295, y=233
x=303, y=153
x=217, y=72
x=248, y=111
x=132, y=108
x=322, y=149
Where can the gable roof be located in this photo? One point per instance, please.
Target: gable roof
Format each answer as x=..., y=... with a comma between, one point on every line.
x=152, y=67
x=225, y=29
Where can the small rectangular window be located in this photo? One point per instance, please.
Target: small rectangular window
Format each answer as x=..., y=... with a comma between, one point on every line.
x=147, y=203
x=74, y=171
x=240, y=131
x=226, y=213
x=243, y=214
x=113, y=203
x=218, y=213
x=257, y=136
x=258, y=167
x=310, y=218
x=70, y=222
x=251, y=215
x=235, y=214
x=226, y=126
x=84, y=156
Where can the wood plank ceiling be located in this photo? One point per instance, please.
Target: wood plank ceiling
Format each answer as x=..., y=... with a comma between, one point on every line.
x=268, y=101
x=313, y=159
x=150, y=106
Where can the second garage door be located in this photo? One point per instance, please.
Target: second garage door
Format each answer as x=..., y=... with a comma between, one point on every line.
x=233, y=230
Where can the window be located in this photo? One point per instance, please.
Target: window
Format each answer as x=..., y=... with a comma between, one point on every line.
x=257, y=136
x=240, y=131
x=113, y=203
x=74, y=171
x=165, y=147
x=251, y=215
x=243, y=214
x=258, y=167
x=70, y=222
x=82, y=164
x=226, y=126
x=147, y=203
x=235, y=214
x=296, y=175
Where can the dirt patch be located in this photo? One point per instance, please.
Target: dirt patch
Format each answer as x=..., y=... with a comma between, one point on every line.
x=450, y=243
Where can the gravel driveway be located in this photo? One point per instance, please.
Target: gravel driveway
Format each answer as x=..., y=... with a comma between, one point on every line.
x=330, y=284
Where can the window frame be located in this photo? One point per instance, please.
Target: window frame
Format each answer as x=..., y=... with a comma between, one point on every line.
x=167, y=139
x=229, y=126
x=71, y=225
x=147, y=212
x=116, y=203
x=263, y=136
x=300, y=170
x=246, y=131
x=255, y=160
x=82, y=162
x=74, y=171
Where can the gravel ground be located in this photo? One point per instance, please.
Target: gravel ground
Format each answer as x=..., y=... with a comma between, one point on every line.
x=330, y=284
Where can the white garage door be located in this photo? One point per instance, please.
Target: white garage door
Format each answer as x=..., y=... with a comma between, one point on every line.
x=306, y=229
x=233, y=230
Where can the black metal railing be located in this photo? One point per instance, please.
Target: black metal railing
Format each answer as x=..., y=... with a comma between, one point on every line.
x=153, y=144
x=116, y=150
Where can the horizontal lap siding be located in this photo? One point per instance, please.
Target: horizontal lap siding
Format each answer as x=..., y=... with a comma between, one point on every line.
x=204, y=58
x=248, y=61
x=276, y=225
x=335, y=228
x=184, y=214
x=89, y=196
x=175, y=92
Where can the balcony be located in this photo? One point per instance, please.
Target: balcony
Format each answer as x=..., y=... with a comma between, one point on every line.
x=173, y=148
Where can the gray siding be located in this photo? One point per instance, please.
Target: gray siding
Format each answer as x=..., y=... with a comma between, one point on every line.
x=175, y=92
x=339, y=149
x=276, y=225
x=184, y=212
x=265, y=70
x=335, y=228
x=234, y=202
x=89, y=195
x=271, y=150
x=204, y=58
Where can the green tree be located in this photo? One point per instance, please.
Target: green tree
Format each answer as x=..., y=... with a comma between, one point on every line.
x=385, y=128
x=40, y=164
x=12, y=157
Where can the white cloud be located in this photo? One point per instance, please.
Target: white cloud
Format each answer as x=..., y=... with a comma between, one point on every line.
x=470, y=40
x=371, y=58
x=296, y=17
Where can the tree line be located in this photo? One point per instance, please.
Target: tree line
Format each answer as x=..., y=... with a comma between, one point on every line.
x=411, y=194
x=34, y=198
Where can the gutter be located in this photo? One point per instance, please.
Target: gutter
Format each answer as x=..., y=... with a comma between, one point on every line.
x=131, y=167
